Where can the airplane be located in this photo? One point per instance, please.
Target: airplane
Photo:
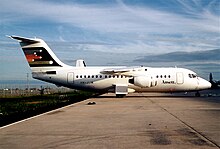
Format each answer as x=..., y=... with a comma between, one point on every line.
x=120, y=80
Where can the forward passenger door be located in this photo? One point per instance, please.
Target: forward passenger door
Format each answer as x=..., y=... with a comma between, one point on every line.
x=179, y=78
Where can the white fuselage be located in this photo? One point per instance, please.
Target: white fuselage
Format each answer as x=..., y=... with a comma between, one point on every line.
x=91, y=78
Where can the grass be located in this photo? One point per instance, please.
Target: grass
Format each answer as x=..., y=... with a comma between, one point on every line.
x=16, y=108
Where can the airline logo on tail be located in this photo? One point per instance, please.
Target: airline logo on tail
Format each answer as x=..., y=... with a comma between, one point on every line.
x=39, y=57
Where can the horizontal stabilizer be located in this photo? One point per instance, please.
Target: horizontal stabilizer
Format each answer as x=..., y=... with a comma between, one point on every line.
x=23, y=39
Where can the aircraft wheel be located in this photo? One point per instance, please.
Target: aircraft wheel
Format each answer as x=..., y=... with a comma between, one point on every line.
x=120, y=95
x=197, y=94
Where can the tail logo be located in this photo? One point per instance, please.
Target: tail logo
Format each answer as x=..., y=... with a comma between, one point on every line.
x=39, y=57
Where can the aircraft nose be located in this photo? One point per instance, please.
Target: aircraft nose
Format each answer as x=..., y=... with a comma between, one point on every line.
x=203, y=84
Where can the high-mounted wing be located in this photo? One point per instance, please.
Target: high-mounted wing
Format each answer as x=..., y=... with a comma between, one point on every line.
x=125, y=71
x=115, y=70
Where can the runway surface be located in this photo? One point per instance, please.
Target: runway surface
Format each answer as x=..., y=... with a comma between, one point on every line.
x=140, y=120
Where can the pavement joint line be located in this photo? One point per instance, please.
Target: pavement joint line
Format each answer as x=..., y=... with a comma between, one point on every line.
x=39, y=115
x=199, y=133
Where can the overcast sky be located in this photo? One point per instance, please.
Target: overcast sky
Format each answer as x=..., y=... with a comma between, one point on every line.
x=117, y=26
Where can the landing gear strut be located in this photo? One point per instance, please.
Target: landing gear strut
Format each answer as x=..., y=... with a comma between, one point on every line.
x=197, y=94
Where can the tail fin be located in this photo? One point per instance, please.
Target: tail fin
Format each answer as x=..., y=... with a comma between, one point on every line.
x=37, y=53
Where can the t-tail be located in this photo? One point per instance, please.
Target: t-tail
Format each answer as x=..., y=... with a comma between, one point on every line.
x=38, y=54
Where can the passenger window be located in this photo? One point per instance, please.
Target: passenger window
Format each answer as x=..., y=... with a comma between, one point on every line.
x=168, y=76
x=161, y=76
x=80, y=76
x=100, y=76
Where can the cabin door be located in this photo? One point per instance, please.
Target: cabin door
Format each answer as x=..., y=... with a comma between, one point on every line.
x=70, y=77
x=179, y=78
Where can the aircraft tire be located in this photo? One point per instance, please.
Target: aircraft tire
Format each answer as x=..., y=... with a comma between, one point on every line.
x=197, y=94
x=120, y=95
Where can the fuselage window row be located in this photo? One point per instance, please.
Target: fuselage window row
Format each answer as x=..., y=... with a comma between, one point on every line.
x=165, y=76
x=100, y=76
x=119, y=76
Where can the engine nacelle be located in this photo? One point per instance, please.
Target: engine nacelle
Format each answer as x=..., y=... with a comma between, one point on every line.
x=143, y=81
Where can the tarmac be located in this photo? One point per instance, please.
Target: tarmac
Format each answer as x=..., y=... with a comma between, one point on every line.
x=140, y=120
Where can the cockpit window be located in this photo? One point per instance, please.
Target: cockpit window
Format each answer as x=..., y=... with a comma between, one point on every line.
x=192, y=75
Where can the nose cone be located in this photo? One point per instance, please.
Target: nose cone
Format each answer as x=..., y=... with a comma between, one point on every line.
x=203, y=84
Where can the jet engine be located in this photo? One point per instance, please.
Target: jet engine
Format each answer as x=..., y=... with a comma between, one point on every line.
x=143, y=81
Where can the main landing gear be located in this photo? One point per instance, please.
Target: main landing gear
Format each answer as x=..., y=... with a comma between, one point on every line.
x=197, y=94
x=120, y=95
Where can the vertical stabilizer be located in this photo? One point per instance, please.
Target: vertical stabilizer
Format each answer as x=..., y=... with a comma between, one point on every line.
x=37, y=53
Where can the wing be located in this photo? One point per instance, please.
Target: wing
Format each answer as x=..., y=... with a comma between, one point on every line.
x=125, y=71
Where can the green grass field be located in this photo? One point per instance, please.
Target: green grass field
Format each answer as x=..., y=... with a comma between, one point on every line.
x=16, y=108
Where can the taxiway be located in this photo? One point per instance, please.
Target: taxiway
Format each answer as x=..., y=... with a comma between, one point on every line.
x=140, y=120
